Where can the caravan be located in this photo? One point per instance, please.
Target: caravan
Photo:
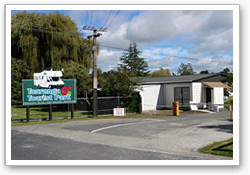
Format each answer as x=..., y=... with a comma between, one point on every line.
x=48, y=79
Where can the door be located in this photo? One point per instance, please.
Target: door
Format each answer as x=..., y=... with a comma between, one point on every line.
x=208, y=95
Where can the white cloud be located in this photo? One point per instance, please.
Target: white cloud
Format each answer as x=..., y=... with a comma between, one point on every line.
x=108, y=59
x=193, y=34
x=213, y=64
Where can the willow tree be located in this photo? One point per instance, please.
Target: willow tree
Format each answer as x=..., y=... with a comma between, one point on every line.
x=48, y=41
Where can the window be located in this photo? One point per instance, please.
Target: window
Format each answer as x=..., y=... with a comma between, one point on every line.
x=55, y=78
x=182, y=94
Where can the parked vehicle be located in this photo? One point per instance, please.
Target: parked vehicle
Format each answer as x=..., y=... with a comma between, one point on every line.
x=48, y=79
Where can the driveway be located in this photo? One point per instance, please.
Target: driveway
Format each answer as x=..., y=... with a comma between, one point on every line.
x=169, y=138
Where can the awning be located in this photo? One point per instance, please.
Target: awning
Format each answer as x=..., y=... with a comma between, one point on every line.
x=215, y=84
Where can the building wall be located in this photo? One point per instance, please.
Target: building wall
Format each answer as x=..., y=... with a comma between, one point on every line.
x=152, y=96
x=218, y=96
x=169, y=92
x=159, y=96
x=197, y=92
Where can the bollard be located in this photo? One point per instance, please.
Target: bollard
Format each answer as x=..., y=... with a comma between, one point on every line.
x=231, y=116
x=176, y=108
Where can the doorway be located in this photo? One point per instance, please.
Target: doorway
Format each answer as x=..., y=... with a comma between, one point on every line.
x=208, y=95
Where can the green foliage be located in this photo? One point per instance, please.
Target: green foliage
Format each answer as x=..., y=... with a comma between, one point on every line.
x=79, y=72
x=47, y=40
x=131, y=61
x=19, y=70
x=118, y=83
x=229, y=81
x=160, y=73
x=204, y=72
x=226, y=70
x=41, y=41
x=185, y=69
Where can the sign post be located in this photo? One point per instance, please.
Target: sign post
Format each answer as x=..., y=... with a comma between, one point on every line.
x=27, y=113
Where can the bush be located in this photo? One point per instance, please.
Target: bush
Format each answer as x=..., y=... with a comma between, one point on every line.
x=229, y=101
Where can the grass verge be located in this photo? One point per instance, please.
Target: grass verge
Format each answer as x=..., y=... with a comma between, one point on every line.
x=223, y=148
x=86, y=118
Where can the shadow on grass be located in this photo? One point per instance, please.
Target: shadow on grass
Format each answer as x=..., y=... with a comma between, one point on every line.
x=220, y=128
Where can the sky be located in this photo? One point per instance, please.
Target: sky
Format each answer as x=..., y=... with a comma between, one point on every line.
x=166, y=38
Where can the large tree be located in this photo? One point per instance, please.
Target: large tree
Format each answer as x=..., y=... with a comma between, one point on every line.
x=131, y=61
x=47, y=40
x=185, y=69
x=160, y=73
x=79, y=72
x=19, y=70
x=40, y=41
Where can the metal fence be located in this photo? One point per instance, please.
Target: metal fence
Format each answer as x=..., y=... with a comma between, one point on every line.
x=83, y=108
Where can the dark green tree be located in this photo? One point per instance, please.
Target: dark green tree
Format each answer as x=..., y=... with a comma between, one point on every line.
x=131, y=61
x=119, y=83
x=204, y=72
x=19, y=70
x=229, y=81
x=226, y=70
x=185, y=69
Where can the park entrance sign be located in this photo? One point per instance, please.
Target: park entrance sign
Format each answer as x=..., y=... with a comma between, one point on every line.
x=37, y=95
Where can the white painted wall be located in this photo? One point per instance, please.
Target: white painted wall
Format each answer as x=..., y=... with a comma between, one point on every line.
x=169, y=92
x=150, y=96
x=197, y=92
x=154, y=96
x=218, y=96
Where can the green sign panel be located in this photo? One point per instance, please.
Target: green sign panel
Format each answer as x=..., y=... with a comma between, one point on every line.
x=37, y=95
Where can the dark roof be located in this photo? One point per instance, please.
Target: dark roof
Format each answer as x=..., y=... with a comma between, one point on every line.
x=178, y=79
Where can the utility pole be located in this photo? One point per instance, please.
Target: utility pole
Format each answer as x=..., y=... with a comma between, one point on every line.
x=95, y=35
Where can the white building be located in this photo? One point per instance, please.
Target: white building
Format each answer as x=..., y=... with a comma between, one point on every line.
x=160, y=92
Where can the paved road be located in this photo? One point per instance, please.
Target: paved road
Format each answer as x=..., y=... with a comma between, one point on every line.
x=169, y=138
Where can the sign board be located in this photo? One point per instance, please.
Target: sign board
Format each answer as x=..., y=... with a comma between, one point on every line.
x=35, y=95
x=193, y=106
x=118, y=111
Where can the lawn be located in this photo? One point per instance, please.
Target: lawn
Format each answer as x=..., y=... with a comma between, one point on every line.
x=40, y=115
x=18, y=112
x=224, y=148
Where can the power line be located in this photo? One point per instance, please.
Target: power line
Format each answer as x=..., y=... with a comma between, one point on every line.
x=96, y=19
x=87, y=14
x=113, y=19
x=112, y=47
x=107, y=19
x=91, y=17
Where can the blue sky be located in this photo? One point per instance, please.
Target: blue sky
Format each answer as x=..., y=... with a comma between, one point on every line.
x=166, y=38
